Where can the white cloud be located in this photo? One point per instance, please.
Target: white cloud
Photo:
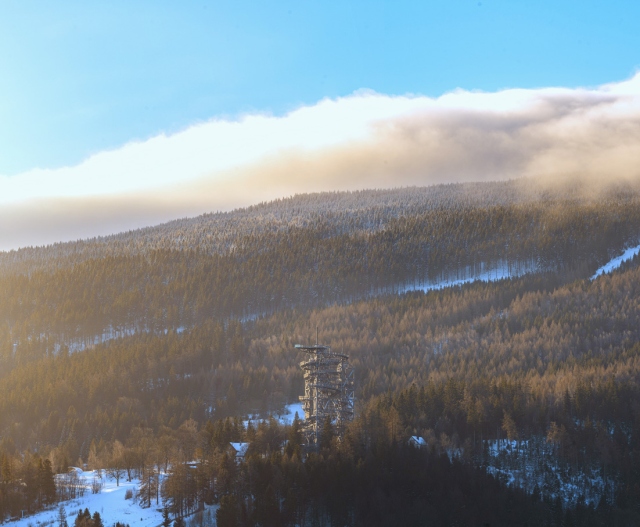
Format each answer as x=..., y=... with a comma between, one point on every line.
x=362, y=141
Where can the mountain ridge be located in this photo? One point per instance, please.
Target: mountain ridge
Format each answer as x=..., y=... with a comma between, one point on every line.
x=358, y=211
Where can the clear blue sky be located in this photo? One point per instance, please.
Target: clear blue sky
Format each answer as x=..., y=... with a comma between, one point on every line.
x=80, y=77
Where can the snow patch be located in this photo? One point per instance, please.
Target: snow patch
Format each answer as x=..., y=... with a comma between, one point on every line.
x=488, y=273
x=617, y=261
x=535, y=463
x=285, y=419
x=110, y=503
x=290, y=413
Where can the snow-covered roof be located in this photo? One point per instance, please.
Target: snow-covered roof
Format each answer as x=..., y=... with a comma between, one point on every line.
x=418, y=441
x=240, y=448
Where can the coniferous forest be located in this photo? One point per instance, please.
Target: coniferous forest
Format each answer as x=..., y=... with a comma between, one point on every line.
x=142, y=354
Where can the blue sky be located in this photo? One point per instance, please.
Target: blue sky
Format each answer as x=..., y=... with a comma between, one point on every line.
x=81, y=77
x=117, y=115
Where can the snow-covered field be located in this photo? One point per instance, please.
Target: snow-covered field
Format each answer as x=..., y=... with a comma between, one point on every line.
x=109, y=502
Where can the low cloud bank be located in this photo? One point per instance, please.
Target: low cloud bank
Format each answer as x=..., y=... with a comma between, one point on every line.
x=366, y=140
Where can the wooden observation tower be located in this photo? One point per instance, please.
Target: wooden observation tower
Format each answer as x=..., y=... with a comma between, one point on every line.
x=328, y=391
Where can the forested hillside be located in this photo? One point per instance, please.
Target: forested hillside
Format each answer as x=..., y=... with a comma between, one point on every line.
x=65, y=305
x=348, y=212
x=364, y=211
x=530, y=337
x=165, y=335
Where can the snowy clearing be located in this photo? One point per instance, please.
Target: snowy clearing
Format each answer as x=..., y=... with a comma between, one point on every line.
x=109, y=502
x=617, y=261
x=500, y=271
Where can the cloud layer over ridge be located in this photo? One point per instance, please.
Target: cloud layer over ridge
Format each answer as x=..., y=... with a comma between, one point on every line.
x=366, y=140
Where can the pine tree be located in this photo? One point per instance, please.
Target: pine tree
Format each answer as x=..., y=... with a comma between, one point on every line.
x=62, y=517
x=47, y=483
x=83, y=519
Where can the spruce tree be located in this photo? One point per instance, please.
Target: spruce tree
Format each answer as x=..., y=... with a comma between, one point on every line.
x=294, y=438
x=326, y=435
x=47, y=483
x=62, y=517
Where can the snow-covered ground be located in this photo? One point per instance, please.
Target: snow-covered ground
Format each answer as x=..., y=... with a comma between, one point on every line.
x=285, y=418
x=109, y=502
x=617, y=261
x=502, y=270
x=533, y=462
x=290, y=413
x=499, y=271
x=110, y=333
